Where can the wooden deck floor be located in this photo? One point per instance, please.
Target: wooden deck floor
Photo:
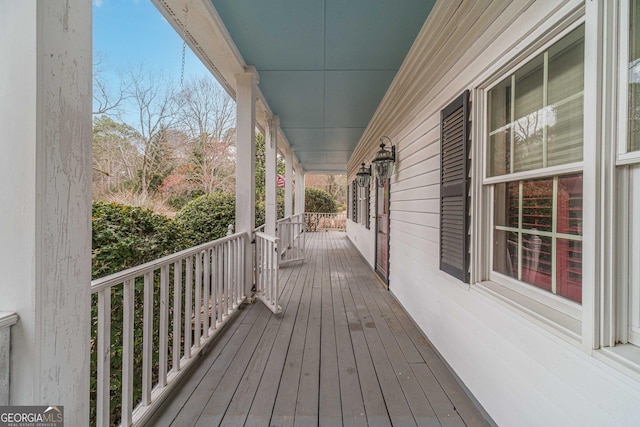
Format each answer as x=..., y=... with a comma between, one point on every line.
x=343, y=352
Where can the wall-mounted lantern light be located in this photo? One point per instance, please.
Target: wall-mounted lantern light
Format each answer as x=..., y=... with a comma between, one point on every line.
x=363, y=176
x=384, y=161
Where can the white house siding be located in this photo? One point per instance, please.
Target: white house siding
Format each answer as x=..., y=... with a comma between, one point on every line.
x=519, y=371
x=362, y=238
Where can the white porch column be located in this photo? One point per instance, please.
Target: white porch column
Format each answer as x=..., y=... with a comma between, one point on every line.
x=299, y=190
x=288, y=183
x=45, y=222
x=246, y=162
x=271, y=155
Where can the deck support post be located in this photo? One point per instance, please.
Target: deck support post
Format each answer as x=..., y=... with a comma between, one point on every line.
x=246, y=163
x=271, y=154
x=299, y=190
x=288, y=183
x=46, y=169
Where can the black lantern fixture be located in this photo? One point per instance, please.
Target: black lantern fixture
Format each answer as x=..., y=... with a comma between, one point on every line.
x=363, y=176
x=384, y=161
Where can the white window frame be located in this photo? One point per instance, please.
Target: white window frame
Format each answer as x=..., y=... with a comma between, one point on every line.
x=557, y=314
x=616, y=344
x=601, y=326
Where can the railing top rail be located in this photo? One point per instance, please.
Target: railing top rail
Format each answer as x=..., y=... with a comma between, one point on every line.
x=281, y=220
x=266, y=237
x=122, y=276
x=259, y=228
x=7, y=318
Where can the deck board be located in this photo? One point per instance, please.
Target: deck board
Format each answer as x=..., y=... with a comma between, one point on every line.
x=343, y=352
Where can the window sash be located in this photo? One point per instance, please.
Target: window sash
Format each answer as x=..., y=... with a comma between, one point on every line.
x=529, y=135
x=529, y=248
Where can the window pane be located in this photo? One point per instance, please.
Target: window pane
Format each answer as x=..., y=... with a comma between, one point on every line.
x=500, y=153
x=634, y=76
x=505, y=253
x=500, y=105
x=565, y=132
x=528, y=88
x=528, y=137
x=569, y=269
x=566, y=69
x=536, y=261
x=565, y=97
x=537, y=204
x=529, y=119
x=506, y=204
x=569, y=208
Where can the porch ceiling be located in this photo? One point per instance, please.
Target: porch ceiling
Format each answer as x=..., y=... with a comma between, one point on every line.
x=324, y=65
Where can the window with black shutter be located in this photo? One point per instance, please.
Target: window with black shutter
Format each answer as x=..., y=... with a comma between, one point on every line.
x=454, y=188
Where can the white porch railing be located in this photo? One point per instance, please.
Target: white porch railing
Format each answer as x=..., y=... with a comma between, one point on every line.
x=326, y=221
x=266, y=270
x=194, y=292
x=6, y=321
x=291, y=233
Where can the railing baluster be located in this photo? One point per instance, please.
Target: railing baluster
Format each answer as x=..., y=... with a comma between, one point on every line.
x=269, y=249
x=198, y=301
x=234, y=273
x=177, y=313
x=240, y=267
x=163, y=333
x=222, y=284
x=128, y=302
x=260, y=265
x=104, y=358
x=205, y=296
x=274, y=272
x=218, y=302
x=229, y=279
x=147, y=339
x=214, y=288
x=188, y=306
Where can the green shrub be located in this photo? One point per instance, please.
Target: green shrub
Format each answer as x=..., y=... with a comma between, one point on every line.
x=316, y=200
x=125, y=236
x=207, y=217
x=177, y=201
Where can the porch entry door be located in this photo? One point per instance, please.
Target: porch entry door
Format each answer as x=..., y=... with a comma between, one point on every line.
x=382, y=230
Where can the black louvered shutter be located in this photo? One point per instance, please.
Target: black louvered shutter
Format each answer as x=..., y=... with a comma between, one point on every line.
x=354, y=201
x=454, y=188
x=348, y=201
x=367, y=218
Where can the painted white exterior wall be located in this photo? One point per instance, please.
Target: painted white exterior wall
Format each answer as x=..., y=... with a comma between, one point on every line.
x=519, y=369
x=363, y=239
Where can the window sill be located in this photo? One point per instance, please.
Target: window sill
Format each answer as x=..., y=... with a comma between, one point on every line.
x=623, y=357
x=551, y=319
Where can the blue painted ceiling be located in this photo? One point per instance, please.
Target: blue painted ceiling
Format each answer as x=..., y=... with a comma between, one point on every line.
x=324, y=65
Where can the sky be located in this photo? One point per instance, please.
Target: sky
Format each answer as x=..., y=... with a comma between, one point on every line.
x=128, y=33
